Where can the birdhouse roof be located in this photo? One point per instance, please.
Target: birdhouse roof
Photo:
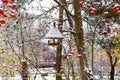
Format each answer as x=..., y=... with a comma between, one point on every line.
x=54, y=33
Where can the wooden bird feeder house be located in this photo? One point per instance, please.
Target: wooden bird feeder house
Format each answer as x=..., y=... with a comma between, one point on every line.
x=54, y=35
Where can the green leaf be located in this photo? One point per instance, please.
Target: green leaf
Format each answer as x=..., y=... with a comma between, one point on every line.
x=75, y=74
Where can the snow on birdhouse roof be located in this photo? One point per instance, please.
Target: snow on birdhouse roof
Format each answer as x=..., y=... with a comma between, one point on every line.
x=54, y=33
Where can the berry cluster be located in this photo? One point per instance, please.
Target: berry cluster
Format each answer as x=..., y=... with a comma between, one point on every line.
x=7, y=10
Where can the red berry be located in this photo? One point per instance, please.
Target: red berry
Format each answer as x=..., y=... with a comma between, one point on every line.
x=5, y=15
x=116, y=7
x=108, y=25
x=12, y=0
x=92, y=12
x=44, y=49
x=12, y=11
x=93, y=9
x=94, y=4
x=12, y=5
x=70, y=28
x=106, y=13
x=103, y=20
x=2, y=21
x=69, y=54
x=79, y=56
x=81, y=3
x=5, y=1
x=104, y=33
x=13, y=15
x=118, y=12
x=88, y=6
x=1, y=11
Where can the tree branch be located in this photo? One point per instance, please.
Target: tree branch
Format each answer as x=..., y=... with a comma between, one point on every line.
x=63, y=6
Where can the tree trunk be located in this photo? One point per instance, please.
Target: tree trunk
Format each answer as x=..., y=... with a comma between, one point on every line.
x=79, y=38
x=59, y=48
x=78, y=35
x=112, y=72
x=24, y=72
x=58, y=61
x=112, y=64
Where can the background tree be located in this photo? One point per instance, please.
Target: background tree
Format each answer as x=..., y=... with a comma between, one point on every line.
x=100, y=15
x=22, y=34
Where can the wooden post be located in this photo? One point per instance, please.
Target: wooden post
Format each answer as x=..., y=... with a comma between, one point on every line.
x=24, y=72
x=59, y=48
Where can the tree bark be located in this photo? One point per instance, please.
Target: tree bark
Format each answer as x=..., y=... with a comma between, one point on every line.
x=112, y=64
x=24, y=72
x=59, y=48
x=112, y=72
x=79, y=37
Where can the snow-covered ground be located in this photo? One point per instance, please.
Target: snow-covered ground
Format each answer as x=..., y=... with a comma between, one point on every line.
x=50, y=76
x=32, y=73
